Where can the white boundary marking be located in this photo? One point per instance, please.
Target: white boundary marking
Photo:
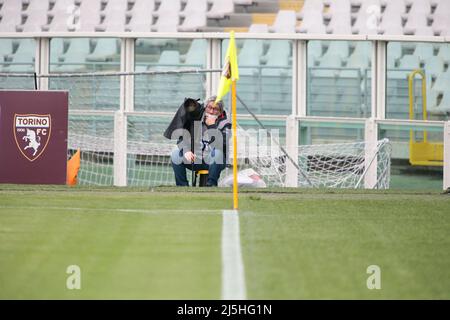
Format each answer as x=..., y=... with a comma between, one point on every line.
x=233, y=277
x=121, y=210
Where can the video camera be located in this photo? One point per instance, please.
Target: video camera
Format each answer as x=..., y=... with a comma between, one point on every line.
x=193, y=108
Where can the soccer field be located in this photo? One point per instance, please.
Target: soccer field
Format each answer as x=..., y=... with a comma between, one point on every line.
x=166, y=243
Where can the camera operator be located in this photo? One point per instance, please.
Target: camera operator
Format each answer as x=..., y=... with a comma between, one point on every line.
x=209, y=130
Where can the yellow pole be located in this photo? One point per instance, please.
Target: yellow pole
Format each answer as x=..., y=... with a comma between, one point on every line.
x=411, y=77
x=234, y=129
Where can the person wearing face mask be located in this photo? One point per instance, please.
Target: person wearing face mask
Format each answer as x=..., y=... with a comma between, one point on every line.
x=205, y=122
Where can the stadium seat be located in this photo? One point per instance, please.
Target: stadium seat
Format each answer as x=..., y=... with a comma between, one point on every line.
x=439, y=89
x=441, y=22
x=424, y=31
x=314, y=52
x=193, y=7
x=424, y=51
x=244, y=2
x=35, y=16
x=220, y=8
x=367, y=20
x=114, y=16
x=278, y=49
x=60, y=15
x=196, y=54
x=417, y=17
x=194, y=15
x=141, y=16
x=363, y=48
x=407, y=64
x=391, y=27
x=284, y=22
x=356, y=64
x=164, y=88
x=391, y=21
x=11, y=16
x=312, y=23
x=172, y=6
x=23, y=59
x=444, y=52
x=168, y=60
x=167, y=16
x=75, y=56
x=339, y=48
x=394, y=52
x=56, y=50
x=248, y=63
x=340, y=16
x=330, y=66
x=6, y=48
x=25, y=46
x=394, y=8
x=310, y=7
x=442, y=82
x=258, y=28
x=140, y=88
x=434, y=66
x=311, y=15
x=104, y=50
x=444, y=105
x=89, y=16
x=277, y=58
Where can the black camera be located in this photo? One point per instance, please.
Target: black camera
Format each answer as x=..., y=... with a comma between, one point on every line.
x=193, y=108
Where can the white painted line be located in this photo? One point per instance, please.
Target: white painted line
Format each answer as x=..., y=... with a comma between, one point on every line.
x=120, y=210
x=233, y=277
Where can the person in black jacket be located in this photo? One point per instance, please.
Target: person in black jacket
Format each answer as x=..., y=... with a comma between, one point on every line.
x=202, y=131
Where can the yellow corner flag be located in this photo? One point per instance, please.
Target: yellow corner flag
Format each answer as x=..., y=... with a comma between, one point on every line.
x=230, y=70
x=230, y=74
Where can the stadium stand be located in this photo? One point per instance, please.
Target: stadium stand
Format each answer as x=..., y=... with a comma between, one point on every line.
x=422, y=17
x=262, y=62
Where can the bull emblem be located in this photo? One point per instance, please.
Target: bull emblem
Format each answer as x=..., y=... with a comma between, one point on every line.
x=32, y=133
x=33, y=141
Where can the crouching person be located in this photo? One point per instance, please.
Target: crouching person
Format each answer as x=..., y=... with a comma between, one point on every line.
x=203, y=144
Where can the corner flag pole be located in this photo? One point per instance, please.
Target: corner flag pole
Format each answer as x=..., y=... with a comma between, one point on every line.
x=234, y=129
x=230, y=74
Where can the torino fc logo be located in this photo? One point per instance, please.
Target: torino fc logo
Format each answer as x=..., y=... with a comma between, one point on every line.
x=32, y=133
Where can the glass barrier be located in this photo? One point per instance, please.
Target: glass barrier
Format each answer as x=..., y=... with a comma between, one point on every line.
x=338, y=78
x=84, y=55
x=321, y=132
x=265, y=75
x=428, y=66
x=165, y=92
x=17, y=56
x=417, y=155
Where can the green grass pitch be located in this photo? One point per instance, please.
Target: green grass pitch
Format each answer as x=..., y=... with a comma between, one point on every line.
x=165, y=243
